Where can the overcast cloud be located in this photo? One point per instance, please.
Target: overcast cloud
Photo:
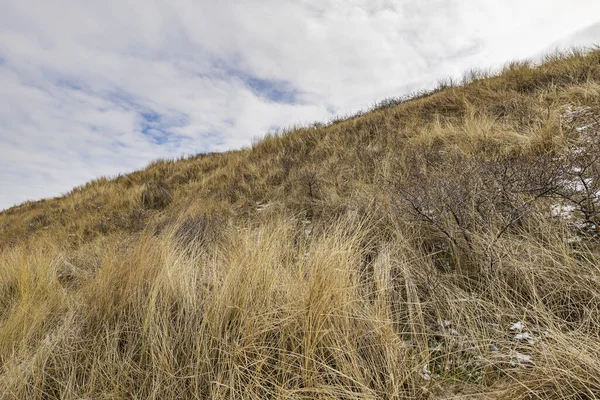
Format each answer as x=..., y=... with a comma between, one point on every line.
x=93, y=88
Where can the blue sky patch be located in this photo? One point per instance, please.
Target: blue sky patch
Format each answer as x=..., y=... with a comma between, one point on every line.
x=276, y=91
x=152, y=127
x=150, y=116
x=157, y=127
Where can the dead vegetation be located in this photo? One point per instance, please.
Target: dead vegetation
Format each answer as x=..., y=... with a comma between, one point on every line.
x=444, y=245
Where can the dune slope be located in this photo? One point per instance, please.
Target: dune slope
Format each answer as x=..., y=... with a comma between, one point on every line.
x=441, y=246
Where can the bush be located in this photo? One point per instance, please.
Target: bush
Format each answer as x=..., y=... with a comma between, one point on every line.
x=457, y=199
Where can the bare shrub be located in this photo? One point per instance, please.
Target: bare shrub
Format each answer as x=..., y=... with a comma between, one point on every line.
x=310, y=180
x=458, y=198
x=580, y=183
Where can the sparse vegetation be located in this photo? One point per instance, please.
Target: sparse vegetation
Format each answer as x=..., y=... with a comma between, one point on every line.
x=440, y=246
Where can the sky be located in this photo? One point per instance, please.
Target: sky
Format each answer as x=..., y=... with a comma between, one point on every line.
x=96, y=88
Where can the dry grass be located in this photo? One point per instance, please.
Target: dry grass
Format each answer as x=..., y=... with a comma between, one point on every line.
x=443, y=246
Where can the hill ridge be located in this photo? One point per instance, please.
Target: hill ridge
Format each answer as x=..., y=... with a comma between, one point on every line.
x=441, y=245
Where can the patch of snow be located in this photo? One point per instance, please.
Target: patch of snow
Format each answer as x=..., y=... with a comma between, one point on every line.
x=562, y=210
x=578, y=150
x=579, y=185
x=426, y=373
x=430, y=212
x=584, y=127
x=517, y=326
x=525, y=337
x=572, y=239
x=520, y=358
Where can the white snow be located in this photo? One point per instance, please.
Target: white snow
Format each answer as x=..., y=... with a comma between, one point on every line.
x=585, y=127
x=517, y=326
x=426, y=373
x=573, y=239
x=520, y=358
x=525, y=337
x=579, y=185
x=562, y=210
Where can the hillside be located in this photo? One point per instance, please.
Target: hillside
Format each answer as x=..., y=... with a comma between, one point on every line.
x=440, y=246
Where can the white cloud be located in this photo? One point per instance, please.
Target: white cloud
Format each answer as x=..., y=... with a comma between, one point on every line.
x=95, y=88
x=586, y=37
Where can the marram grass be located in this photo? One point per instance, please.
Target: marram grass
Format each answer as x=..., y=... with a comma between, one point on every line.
x=442, y=246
